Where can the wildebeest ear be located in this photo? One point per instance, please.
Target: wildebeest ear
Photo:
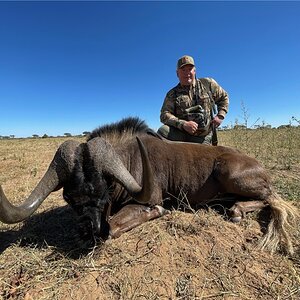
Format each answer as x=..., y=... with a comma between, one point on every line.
x=153, y=133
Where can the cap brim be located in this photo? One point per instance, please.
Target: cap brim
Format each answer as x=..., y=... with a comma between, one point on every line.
x=185, y=65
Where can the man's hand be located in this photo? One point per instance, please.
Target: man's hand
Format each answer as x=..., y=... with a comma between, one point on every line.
x=190, y=126
x=217, y=121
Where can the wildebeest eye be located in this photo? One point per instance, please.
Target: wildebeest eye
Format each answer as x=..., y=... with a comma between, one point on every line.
x=66, y=197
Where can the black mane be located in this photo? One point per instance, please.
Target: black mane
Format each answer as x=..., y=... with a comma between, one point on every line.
x=130, y=124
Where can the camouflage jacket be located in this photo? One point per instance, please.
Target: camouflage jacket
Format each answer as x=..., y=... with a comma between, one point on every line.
x=182, y=98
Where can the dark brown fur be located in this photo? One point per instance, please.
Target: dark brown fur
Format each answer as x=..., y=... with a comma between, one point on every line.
x=203, y=172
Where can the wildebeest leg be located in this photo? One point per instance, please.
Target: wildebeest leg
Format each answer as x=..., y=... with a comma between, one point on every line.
x=239, y=209
x=245, y=177
x=131, y=216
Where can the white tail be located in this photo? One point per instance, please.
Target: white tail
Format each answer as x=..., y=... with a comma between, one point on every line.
x=283, y=219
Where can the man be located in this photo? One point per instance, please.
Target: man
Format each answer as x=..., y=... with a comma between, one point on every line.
x=188, y=111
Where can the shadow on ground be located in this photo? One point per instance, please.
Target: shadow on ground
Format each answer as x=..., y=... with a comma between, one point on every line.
x=56, y=228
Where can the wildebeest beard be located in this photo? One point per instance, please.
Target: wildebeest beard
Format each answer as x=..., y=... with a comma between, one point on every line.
x=87, y=192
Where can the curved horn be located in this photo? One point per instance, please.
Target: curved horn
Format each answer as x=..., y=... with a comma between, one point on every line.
x=109, y=161
x=148, y=179
x=53, y=179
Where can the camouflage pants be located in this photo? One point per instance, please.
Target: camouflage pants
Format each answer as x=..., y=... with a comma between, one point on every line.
x=174, y=134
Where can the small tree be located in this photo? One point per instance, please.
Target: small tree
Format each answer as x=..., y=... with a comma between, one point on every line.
x=246, y=114
x=67, y=134
x=296, y=120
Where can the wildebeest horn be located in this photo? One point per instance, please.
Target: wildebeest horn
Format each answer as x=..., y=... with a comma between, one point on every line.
x=106, y=158
x=53, y=180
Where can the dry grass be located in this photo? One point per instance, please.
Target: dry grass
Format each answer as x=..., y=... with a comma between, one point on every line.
x=195, y=255
x=275, y=148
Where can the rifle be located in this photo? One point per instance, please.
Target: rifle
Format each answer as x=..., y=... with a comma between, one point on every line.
x=213, y=111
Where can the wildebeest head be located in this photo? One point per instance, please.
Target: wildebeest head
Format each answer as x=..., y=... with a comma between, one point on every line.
x=86, y=192
x=85, y=171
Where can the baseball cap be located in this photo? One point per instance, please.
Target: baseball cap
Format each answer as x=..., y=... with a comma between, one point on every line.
x=185, y=60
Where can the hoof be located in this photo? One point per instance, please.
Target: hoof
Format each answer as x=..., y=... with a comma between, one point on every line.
x=162, y=211
x=236, y=219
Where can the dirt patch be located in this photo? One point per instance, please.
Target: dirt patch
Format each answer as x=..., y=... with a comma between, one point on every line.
x=180, y=256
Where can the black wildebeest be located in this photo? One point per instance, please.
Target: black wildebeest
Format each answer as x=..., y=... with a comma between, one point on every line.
x=123, y=163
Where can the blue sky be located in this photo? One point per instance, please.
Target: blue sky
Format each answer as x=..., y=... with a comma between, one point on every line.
x=72, y=66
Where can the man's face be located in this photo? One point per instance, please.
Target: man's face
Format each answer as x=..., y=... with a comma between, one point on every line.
x=186, y=74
